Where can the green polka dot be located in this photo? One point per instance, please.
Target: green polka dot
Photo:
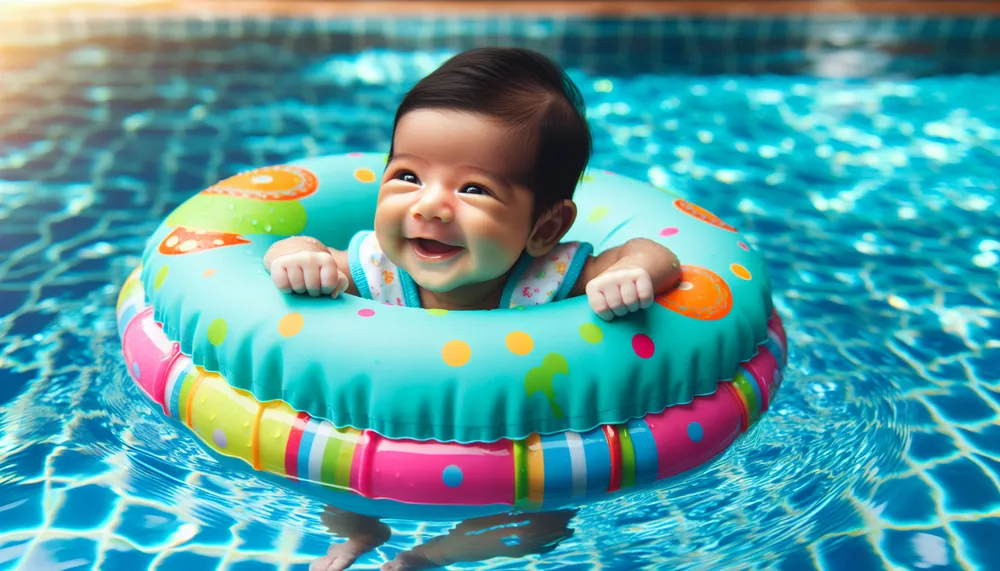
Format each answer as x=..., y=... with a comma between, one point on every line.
x=235, y=215
x=591, y=333
x=160, y=276
x=217, y=332
x=598, y=213
x=540, y=379
x=588, y=178
x=437, y=311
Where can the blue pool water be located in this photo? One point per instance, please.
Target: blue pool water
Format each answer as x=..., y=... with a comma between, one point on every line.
x=874, y=202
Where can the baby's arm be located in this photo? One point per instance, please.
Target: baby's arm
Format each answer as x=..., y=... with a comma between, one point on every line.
x=627, y=278
x=304, y=265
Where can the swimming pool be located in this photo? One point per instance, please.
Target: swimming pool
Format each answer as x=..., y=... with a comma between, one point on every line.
x=873, y=200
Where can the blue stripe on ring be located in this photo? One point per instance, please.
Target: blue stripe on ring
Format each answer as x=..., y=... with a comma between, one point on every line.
x=646, y=456
x=598, y=458
x=305, y=447
x=558, y=466
x=175, y=392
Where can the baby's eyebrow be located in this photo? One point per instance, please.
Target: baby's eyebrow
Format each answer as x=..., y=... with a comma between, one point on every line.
x=396, y=156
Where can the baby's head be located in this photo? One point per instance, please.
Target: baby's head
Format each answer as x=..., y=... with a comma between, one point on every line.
x=486, y=153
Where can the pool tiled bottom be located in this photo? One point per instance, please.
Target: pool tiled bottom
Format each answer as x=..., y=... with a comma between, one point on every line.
x=874, y=203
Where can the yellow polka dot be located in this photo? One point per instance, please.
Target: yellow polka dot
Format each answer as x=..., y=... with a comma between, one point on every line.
x=456, y=353
x=740, y=271
x=208, y=273
x=217, y=332
x=588, y=178
x=437, y=311
x=160, y=276
x=188, y=245
x=598, y=213
x=365, y=175
x=591, y=333
x=290, y=325
x=520, y=343
x=172, y=241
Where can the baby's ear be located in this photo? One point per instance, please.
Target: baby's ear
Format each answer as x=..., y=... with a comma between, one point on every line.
x=550, y=228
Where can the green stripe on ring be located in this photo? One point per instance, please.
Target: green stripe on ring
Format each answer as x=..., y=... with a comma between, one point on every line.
x=331, y=457
x=345, y=457
x=520, y=470
x=742, y=385
x=628, y=457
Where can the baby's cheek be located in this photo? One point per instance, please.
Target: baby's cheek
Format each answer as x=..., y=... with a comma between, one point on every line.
x=496, y=256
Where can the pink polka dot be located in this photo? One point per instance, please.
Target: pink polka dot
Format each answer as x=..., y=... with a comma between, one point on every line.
x=669, y=231
x=354, y=154
x=366, y=312
x=744, y=246
x=643, y=346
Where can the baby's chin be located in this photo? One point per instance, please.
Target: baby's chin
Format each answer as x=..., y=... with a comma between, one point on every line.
x=435, y=284
x=444, y=283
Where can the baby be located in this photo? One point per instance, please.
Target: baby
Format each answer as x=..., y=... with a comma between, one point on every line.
x=474, y=202
x=475, y=199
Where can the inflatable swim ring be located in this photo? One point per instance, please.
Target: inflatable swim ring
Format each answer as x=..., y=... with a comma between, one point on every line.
x=534, y=409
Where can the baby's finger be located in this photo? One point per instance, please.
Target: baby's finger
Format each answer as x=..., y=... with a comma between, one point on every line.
x=630, y=296
x=342, y=283
x=328, y=276
x=280, y=278
x=644, y=287
x=600, y=305
x=296, y=279
x=310, y=274
x=613, y=294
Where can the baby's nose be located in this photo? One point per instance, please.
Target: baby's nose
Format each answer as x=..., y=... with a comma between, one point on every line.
x=434, y=204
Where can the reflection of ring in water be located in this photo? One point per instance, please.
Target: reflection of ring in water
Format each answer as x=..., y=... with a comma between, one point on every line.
x=507, y=535
x=513, y=535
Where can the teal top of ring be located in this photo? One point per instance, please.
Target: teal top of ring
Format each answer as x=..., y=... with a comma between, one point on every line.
x=451, y=376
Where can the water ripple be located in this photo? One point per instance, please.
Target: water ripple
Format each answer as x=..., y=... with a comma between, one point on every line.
x=873, y=204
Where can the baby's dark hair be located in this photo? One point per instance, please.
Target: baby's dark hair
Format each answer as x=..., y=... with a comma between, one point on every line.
x=527, y=92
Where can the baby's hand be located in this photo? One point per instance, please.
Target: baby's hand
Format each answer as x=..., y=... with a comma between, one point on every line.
x=304, y=271
x=619, y=291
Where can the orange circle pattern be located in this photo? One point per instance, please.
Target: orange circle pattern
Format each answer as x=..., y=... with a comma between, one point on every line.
x=456, y=353
x=291, y=324
x=740, y=271
x=702, y=214
x=365, y=175
x=707, y=299
x=519, y=343
x=280, y=182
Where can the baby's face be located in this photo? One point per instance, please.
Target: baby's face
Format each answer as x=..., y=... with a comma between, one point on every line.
x=453, y=210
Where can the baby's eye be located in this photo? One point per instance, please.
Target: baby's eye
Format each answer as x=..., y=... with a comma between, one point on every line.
x=407, y=176
x=474, y=189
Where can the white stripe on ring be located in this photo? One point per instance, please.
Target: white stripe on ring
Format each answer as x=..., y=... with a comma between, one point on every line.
x=578, y=463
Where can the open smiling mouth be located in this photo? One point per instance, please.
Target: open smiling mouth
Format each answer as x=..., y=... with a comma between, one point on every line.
x=433, y=250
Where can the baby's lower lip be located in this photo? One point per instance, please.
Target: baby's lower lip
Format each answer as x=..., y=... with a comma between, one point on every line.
x=433, y=250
